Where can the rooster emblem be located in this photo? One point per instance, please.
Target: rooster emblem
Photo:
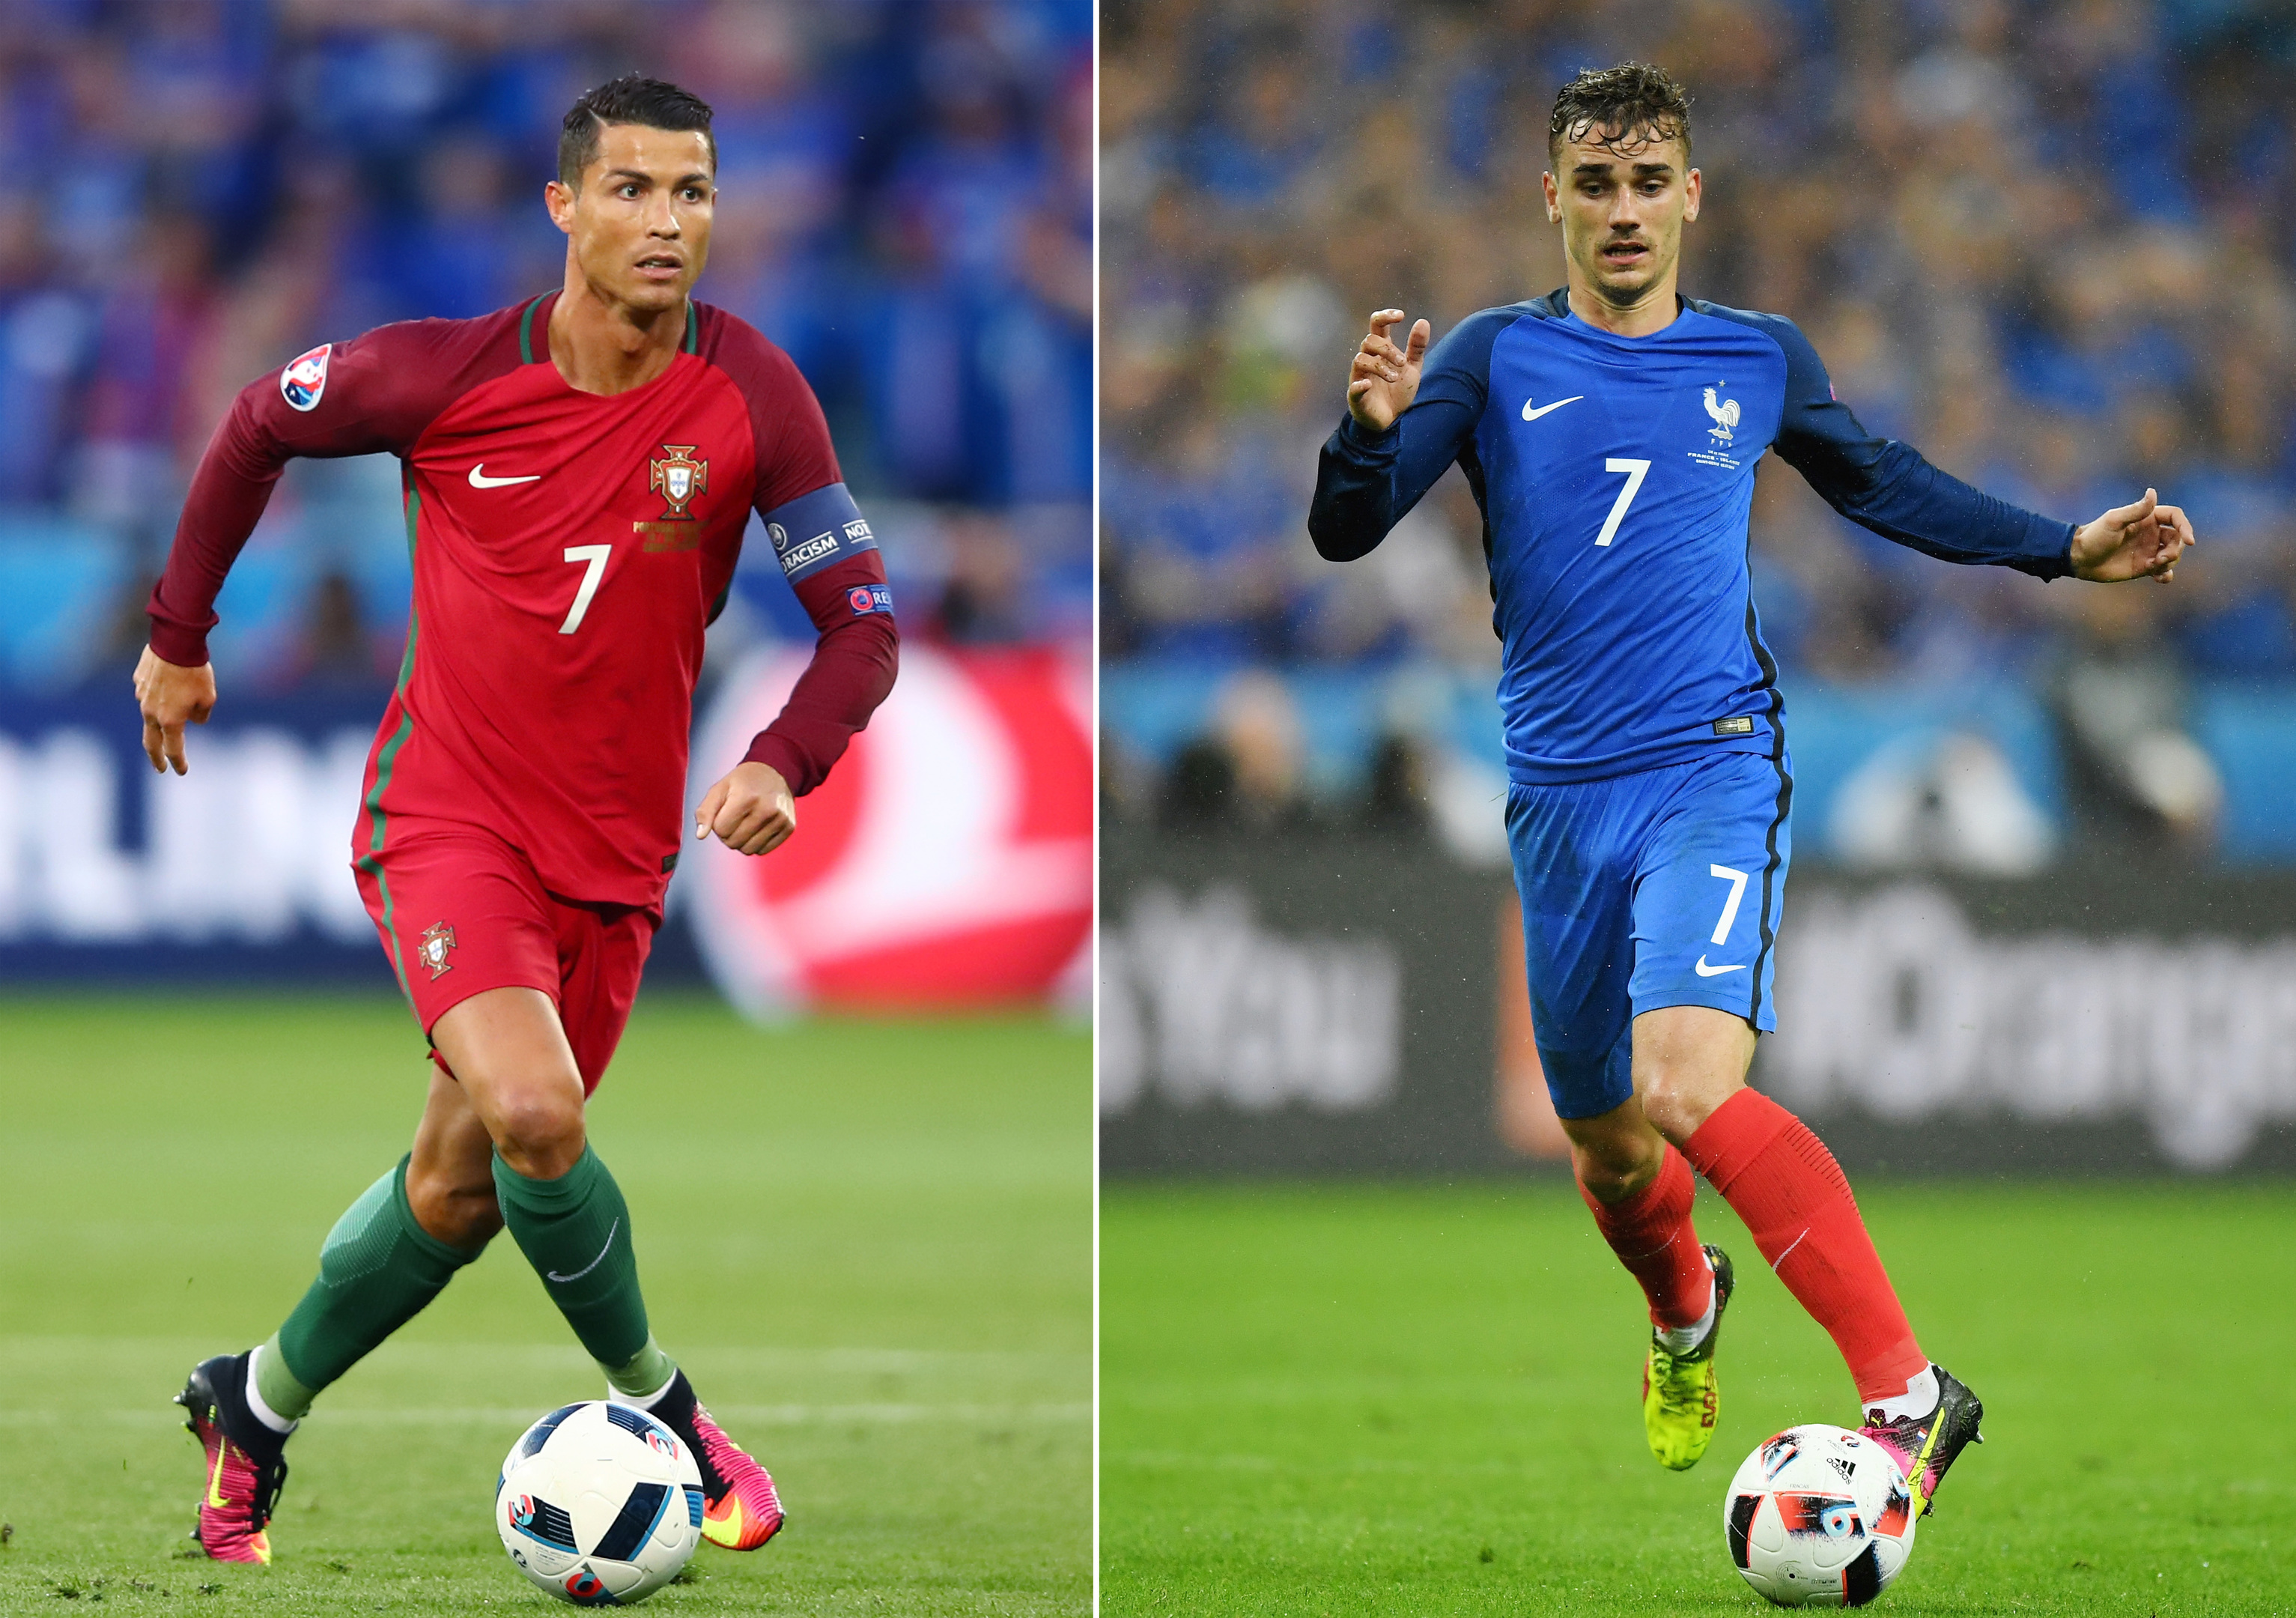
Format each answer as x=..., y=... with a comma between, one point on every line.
x=1724, y=412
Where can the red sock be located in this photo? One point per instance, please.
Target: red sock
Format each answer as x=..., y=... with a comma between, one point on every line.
x=1785, y=1185
x=1651, y=1233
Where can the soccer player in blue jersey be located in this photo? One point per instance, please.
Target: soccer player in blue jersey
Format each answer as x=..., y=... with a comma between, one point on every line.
x=1609, y=432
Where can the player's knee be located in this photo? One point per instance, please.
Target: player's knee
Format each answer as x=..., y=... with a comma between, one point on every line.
x=539, y=1132
x=1614, y=1164
x=1679, y=1097
x=460, y=1212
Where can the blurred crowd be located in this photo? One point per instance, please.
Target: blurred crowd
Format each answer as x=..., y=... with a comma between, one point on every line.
x=2051, y=243
x=198, y=190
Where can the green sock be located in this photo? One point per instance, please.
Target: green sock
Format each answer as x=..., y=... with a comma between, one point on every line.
x=575, y=1230
x=285, y=1397
x=647, y=1374
x=377, y=1270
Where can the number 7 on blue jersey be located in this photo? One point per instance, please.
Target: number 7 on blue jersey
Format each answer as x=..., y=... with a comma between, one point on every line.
x=1635, y=470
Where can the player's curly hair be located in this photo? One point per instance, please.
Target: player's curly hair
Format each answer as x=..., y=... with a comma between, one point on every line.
x=1633, y=99
x=652, y=103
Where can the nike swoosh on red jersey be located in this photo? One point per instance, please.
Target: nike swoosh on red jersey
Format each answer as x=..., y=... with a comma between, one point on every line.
x=479, y=479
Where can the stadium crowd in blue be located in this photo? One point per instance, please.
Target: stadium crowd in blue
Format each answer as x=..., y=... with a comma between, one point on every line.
x=200, y=189
x=2048, y=242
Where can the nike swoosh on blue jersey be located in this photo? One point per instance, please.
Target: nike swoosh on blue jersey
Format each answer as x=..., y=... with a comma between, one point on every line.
x=1529, y=414
x=1704, y=971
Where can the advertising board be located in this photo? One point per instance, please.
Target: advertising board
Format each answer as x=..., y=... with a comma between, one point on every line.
x=1329, y=1005
x=946, y=862
x=238, y=871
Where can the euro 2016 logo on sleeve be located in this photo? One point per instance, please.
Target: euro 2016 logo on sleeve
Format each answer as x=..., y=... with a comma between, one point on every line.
x=304, y=382
x=436, y=942
x=679, y=480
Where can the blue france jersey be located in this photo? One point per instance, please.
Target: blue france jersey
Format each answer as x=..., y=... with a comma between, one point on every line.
x=1615, y=475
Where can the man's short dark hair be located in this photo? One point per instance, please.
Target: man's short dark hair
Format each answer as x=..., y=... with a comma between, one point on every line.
x=632, y=98
x=1632, y=100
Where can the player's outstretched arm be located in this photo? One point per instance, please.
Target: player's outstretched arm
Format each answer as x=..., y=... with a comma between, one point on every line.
x=2140, y=540
x=750, y=809
x=1891, y=489
x=374, y=393
x=170, y=696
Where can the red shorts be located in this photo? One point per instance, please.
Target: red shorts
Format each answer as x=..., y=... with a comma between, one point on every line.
x=461, y=912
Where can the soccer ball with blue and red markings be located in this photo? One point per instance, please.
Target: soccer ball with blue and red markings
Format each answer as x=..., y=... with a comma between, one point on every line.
x=599, y=1504
x=1819, y=1517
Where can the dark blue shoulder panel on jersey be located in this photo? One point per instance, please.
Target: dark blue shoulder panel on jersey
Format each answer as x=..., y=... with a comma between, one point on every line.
x=1889, y=487
x=1366, y=481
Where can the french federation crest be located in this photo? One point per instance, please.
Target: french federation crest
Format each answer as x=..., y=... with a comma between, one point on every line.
x=679, y=479
x=432, y=948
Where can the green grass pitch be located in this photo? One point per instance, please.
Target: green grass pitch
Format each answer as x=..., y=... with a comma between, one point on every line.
x=1414, y=1401
x=869, y=1242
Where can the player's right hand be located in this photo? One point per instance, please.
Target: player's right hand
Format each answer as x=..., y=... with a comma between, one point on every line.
x=170, y=695
x=1384, y=378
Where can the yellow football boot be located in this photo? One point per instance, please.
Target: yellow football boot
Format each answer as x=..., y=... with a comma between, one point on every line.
x=1682, y=1393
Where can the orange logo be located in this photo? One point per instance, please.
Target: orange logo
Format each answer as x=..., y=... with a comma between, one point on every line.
x=679, y=478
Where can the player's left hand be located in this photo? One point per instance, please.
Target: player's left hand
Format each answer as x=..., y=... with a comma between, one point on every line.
x=749, y=808
x=2136, y=541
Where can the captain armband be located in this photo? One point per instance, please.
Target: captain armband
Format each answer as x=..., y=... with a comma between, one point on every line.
x=816, y=531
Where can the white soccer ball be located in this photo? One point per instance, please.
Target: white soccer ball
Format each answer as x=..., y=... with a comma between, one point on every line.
x=599, y=1504
x=1819, y=1517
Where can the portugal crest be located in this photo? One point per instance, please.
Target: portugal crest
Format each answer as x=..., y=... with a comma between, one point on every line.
x=679, y=479
x=436, y=942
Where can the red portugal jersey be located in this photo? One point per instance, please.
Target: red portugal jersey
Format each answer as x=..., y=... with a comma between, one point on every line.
x=569, y=550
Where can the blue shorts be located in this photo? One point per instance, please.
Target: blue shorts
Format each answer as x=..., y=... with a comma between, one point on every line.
x=1661, y=888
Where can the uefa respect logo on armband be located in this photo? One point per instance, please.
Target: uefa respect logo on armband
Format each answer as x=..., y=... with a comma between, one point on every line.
x=869, y=598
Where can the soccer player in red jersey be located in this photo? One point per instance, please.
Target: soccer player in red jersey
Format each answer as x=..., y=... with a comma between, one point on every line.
x=578, y=472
